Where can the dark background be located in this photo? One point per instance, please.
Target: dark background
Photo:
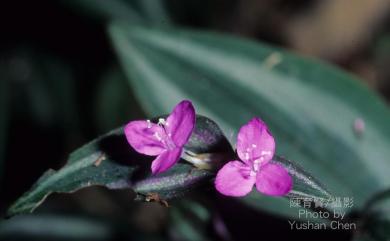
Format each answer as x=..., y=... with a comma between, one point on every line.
x=54, y=55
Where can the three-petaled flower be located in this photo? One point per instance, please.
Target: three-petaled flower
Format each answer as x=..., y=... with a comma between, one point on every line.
x=164, y=139
x=255, y=147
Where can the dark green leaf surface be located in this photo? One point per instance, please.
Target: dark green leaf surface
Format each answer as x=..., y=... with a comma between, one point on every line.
x=309, y=106
x=109, y=161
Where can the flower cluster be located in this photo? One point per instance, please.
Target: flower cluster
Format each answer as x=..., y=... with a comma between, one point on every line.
x=255, y=149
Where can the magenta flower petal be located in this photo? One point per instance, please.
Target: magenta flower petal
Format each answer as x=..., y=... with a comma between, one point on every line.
x=234, y=179
x=273, y=180
x=166, y=160
x=255, y=142
x=141, y=136
x=181, y=122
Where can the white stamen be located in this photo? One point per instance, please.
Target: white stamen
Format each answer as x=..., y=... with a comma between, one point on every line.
x=254, y=145
x=252, y=173
x=246, y=156
x=149, y=124
x=258, y=160
x=161, y=121
x=266, y=153
x=157, y=135
x=256, y=165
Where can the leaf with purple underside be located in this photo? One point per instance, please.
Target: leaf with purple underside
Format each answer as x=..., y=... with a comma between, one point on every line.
x=109, y=161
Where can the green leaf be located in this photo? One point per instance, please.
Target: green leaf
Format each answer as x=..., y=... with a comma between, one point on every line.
x=109, y=161
x=309, y=106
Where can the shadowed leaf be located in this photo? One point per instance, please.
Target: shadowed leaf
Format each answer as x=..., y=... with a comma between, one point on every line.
x=110, y=161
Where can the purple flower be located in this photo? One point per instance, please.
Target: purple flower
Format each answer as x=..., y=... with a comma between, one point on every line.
x=164, y=139
x=255, y=148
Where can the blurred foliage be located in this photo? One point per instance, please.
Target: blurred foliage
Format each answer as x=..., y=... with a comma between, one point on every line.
x=3, y=123
x=43, y=88
x=185, y=227
x=52, y=227
x=106, y=10
x=114, y=103
x=376, y=222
